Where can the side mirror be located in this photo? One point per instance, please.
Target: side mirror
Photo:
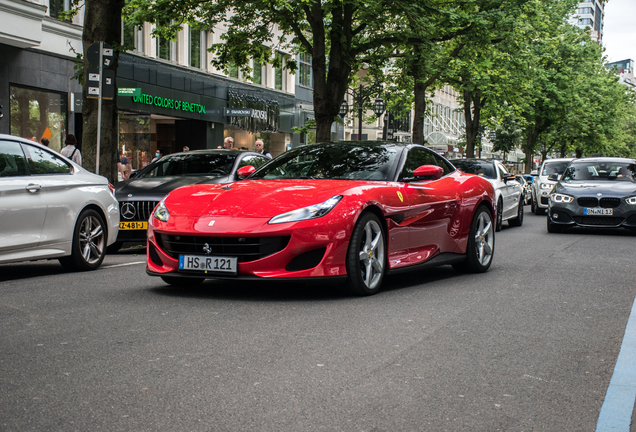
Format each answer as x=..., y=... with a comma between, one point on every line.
x=554, y=177
x=133, y=175
x=245, y=171
x=429, y=171
x=507, y=177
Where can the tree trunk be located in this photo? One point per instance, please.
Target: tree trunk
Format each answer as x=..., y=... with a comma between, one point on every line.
x=330, y=88
x=419, y=106
x=102, y=22
x=531, y=140
x=472, y=123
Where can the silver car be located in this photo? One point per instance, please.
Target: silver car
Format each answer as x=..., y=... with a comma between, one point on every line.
x=51, y=207
x=508, y=191
x=542, y=185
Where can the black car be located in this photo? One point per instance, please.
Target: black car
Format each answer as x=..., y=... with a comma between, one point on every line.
x=139, y=195
x=594, y=193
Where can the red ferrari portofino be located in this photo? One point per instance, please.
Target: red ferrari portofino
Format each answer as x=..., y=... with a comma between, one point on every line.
x=354, y=211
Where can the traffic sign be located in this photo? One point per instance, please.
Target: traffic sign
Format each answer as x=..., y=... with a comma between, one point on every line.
x=108, y=83
x=92, y=55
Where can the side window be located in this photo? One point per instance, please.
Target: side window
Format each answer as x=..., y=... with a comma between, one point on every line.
x=12, y=161
x=415, y=159
x=42, y=162
x=441, y=162
x=255, y=161
x=502, y=172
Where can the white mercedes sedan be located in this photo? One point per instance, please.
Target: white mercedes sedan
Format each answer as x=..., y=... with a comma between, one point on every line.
x=51, y=208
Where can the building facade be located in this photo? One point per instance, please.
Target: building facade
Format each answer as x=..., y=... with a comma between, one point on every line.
x=179, y=98
x=590, y=14
x=625, y=71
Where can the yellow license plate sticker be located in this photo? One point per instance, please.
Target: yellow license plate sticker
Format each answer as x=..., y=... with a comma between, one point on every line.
x=133, y=225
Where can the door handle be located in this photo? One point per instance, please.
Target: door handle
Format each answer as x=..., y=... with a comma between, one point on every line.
x=33, y=188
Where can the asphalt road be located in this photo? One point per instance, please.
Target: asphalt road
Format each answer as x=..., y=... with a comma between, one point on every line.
x=530, y=345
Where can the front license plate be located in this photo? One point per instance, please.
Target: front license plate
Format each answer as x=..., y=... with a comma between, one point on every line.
x=133, y=225
x=208, y=263
x=599, y=211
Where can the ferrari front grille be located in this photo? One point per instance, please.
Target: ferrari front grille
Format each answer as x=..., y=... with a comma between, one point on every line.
x=245, y=249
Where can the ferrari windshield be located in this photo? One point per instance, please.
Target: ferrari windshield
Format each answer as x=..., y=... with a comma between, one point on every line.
x=600, y=171
x=342, y=161
x=478, y=167
x=554, y=167
x=191, y=163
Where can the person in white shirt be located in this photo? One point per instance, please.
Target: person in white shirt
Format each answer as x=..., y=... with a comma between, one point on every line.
x=70, y=151
x=258, y=148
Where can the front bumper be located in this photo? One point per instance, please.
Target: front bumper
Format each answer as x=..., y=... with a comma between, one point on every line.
x=312, y=249
x=572, y=214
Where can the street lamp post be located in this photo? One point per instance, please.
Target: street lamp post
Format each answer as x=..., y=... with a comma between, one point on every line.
x=361, y=94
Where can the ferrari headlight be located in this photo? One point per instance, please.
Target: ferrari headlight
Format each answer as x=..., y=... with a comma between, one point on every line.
x=546, y=186
x=631, y=200
x=309, y=212
x=560, y=198
x=161, y=212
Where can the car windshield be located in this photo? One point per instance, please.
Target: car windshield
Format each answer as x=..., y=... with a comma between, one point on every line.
x=359, y=161
x=480, y=168
x=554, y=167
x=600, y=171
x=191, y=163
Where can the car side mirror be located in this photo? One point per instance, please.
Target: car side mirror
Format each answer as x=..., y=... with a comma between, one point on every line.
x=245, y=171
x=133, y=175
x=554, y=177
x=508, y=177
x=428, y=171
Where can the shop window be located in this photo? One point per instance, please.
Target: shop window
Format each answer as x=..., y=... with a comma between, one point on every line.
x=305, y=71
x=37, y=114
x=134, y=139
x=57, y=6
x=279, y=73
x=132, y=36
x=258, y=72
x=195, y=48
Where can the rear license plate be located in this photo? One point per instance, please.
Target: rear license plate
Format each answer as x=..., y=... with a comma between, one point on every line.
x=133, y=225
x=208, y=263
x=598, y=211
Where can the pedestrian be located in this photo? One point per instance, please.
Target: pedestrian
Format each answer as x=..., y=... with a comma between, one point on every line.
x=45, y=141
x=70, y=150
x=186, y=148
x=260, y=149
x=228, y=143
x=158, y=155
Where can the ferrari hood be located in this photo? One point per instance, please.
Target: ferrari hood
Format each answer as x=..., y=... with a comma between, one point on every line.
x=159, y=186
x=606, y=188
x=255, y=198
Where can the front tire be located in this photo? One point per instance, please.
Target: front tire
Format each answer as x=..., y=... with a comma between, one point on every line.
x=366, y=256
x=499, y=216
x=481, y=244
x=518, y=221
x=89, y=243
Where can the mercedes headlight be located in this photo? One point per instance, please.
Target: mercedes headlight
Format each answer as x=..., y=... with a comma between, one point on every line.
x=631, y=200
x=161, y=212
x=309, y=212
x=560, y=198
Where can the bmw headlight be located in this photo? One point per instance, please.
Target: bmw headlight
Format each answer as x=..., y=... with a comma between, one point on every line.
x=560, y=198
x=161, y=212
x=546, y=186
x=309, y=212
x=631, y=200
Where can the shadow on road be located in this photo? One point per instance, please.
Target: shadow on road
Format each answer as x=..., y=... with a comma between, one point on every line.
x=297, y=291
